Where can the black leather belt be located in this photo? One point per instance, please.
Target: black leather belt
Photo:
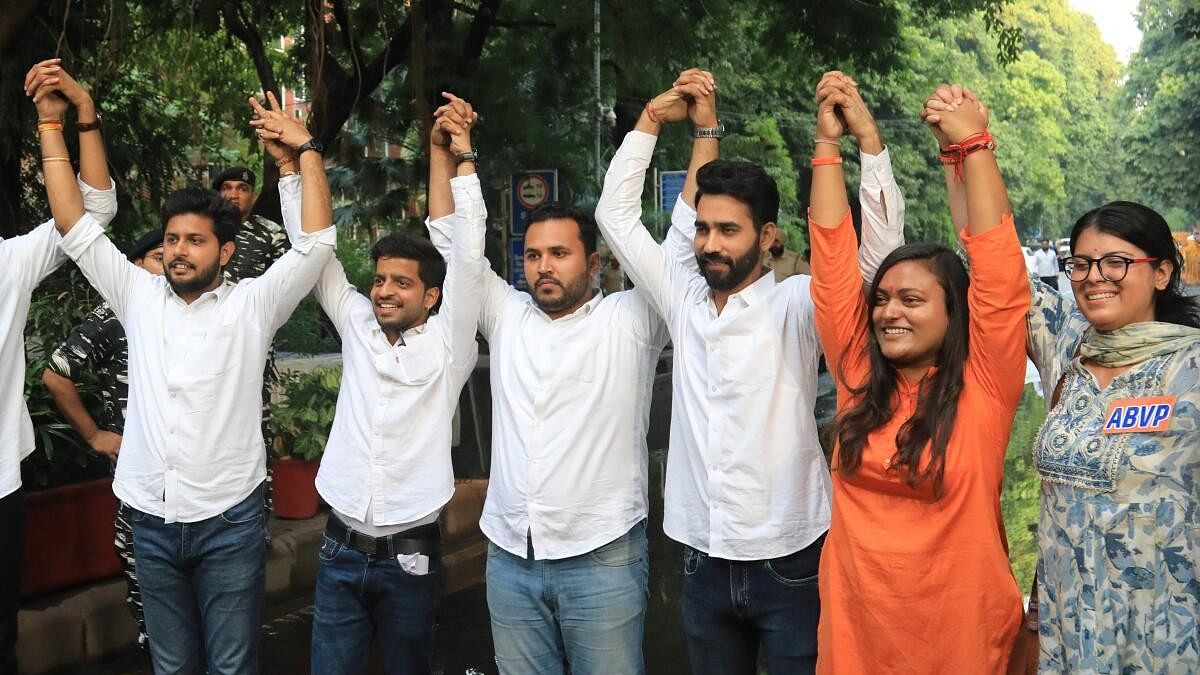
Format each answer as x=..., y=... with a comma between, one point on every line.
x=424, y=539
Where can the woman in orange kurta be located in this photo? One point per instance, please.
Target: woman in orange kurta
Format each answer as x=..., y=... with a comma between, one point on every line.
x=914, y=577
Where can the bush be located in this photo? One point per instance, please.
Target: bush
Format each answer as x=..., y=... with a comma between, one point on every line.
x=60, y=456
x=302, y=414
x=1020, y=499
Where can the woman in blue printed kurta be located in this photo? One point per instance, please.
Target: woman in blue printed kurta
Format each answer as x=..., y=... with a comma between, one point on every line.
x=1119, y=530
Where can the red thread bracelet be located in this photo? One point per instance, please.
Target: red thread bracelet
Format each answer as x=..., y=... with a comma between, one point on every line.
x=826, y=161
x=956, y=153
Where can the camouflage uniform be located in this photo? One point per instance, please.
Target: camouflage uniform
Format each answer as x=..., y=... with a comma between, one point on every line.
x=259, y=243
x=98, y=346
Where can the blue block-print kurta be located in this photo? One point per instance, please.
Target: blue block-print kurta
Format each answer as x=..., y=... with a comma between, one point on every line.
x=1119, y=530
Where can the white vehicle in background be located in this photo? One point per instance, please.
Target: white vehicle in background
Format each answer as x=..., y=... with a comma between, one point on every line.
x=1064, y=247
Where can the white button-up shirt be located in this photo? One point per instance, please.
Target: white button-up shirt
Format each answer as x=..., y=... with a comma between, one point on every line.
x=1045, y=262
x=387, y=460
x=570, y=409
x=24, y=262
x=746, y=478
x=193, y=444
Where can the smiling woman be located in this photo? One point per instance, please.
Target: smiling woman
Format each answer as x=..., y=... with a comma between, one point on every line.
x=1119, y=534
x=929, y=369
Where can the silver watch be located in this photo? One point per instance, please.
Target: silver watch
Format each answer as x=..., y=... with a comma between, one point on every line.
x=717, y=132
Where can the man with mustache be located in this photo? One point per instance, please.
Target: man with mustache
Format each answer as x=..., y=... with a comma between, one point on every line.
x=571, y=376
x=747, y=487
x=192, y=458
x=407, y=351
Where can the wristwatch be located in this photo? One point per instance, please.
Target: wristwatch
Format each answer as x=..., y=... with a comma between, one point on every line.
x=717, y=132
x=471, y=156
x=312, y=144
x=90, y=126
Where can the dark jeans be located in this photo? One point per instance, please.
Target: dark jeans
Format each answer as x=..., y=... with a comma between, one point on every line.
x=203, y=587
x=12, y=533
x=360, y=597
x=734, y=609
x=1052, y=282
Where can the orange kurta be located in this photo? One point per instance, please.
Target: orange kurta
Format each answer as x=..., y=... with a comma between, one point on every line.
x=909, y=583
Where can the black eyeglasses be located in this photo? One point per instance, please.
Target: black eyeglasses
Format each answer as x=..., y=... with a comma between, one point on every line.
x=1112, y=267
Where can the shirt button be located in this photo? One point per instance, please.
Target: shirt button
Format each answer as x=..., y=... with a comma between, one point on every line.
x=714, y=389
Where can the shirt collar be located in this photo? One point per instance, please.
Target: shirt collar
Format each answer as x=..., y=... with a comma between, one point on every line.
x=406, y=335
x=751, y=294
x=217, y=293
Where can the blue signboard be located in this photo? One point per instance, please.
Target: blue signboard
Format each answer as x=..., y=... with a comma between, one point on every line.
x=529, y=190
x=670, y=185
x=516, y=264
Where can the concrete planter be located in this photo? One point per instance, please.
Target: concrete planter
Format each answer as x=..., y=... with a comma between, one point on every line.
x=295, y=488
x=69, y=537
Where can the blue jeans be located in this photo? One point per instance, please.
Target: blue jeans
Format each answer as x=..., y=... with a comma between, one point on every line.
x=587, y=612
x=361, y=596
x=203, y=587
x=732, y=609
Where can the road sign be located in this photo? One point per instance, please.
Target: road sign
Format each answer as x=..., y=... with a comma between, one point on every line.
x=670, y=185
x=516, y=264
x=530, y=189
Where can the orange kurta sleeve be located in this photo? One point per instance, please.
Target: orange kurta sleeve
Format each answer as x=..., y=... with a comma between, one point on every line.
x=840, y=309
x=998, y=301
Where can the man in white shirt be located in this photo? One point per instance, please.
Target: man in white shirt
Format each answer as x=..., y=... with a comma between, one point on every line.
x=192, y=458
x=747, y=487
x=386, y=471
x=571, y=377
x=25, y=261
x=1045, y=264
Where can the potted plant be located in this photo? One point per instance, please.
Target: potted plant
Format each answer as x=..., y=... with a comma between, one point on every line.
x=301, y=416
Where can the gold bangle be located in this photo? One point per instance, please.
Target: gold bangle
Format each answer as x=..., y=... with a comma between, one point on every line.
x=289, y=173
x=827, y=142
x=55, y=159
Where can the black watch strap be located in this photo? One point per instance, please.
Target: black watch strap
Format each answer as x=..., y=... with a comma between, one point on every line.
x=471, y=155
x=312, y=144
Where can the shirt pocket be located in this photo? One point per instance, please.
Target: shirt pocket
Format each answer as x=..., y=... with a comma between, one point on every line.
x=416, y=365
x=749, y=362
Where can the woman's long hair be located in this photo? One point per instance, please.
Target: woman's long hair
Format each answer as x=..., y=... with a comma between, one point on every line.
x=1145, y=229
x=937, y=400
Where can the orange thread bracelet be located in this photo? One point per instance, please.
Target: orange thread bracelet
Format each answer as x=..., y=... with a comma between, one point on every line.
x=826, y=161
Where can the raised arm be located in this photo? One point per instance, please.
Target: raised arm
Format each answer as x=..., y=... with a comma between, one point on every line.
x=679, y=244
x=467, y=265
x=998, y=296
x=657, y=276
x=103, y=265
x=48, y=79
x=878, y=194
x=447, y=210
x=947, y=98
x=66, y=200
x=289, y=279
x=839, y=308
